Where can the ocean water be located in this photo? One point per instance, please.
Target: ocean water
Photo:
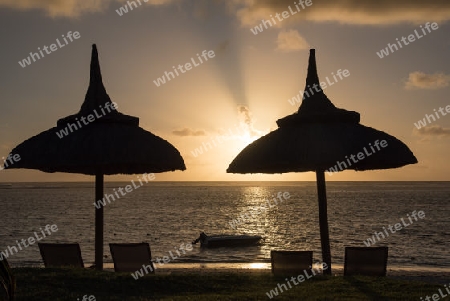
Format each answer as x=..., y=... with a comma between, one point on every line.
x=168, y=214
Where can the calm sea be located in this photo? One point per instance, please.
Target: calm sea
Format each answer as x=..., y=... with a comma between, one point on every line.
x=168, y=214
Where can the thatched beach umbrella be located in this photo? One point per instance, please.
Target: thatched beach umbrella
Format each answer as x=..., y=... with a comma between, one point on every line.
x=317, y=138
x=98, y=141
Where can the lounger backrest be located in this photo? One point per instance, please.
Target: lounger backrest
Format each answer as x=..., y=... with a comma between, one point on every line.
x=131, y=257
x=290, y=263
x=61, y=255
x=367, y=261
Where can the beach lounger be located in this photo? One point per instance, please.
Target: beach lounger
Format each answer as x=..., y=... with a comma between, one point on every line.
x=61, y=255
x=131, y=257
x=290, y=263
x=367, y=261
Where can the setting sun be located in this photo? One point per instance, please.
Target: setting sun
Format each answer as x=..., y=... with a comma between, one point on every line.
x=224, y=150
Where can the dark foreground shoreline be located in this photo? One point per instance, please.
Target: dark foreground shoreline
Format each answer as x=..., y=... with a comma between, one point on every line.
x=217, y=284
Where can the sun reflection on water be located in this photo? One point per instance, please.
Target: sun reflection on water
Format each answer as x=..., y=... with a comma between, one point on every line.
x=258, y=265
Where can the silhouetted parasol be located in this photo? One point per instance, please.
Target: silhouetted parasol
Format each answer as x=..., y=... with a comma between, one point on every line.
x=320, y=137
x=98, y=141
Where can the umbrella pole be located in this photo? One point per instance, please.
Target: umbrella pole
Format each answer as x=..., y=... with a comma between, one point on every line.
x=323, y=221
x=98, y=223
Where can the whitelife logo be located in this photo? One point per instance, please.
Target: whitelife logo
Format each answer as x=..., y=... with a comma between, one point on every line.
x=296, y=280
x=247, y=216
x=341, y=165
x=11, y=158
x=124, y=9
x=188, y=66
x=11, y=250
x=265, y=24
x=436, y=297
x=219, y=139
x=127, y=188
x=373, y=240
x=430, y=118
x=86, y=120
x=150, y=268
x=411, y=38
x=53, y=47
x=323, y=85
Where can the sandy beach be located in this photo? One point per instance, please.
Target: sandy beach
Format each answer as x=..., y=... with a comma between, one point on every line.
x=435, y=275
x=429, y=277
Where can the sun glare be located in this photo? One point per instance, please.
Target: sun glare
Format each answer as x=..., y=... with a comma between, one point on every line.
x=247, y=138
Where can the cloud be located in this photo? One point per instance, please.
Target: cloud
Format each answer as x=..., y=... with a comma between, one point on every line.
x=368, y=12
x=434, y=131
x=55, y=8
x=184, y=132
x=420, y=80
x=250, y=12
x=245, y=128
x=244, y=114
x=291, y=40
x=69, y=8
x=246, y=122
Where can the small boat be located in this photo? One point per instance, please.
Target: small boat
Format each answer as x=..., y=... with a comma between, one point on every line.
x=216, y=241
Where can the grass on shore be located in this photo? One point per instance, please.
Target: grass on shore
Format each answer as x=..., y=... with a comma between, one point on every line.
x=69, y=284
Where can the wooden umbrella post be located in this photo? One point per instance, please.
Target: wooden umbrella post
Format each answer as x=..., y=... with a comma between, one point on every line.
x=98, y=223
x=323, y=221
x=294, y=146
x=48, y=153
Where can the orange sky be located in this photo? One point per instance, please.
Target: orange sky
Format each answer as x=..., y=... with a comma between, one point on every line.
x=236, y=96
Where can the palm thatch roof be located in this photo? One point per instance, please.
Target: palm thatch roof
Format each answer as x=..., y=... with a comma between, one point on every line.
x=112, y=144
x=317, y=137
